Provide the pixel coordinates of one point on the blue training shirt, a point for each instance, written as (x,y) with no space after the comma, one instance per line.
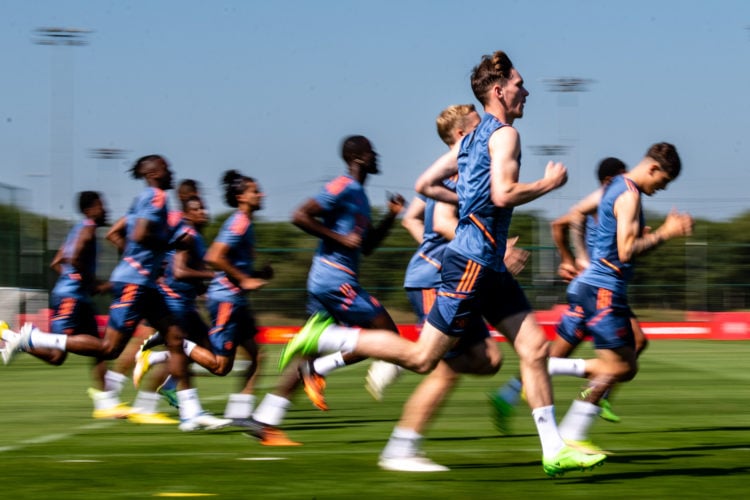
(482,227)
(346,209)
(141,264)
(71,282)
(238,234)
(425,265)
(606,269)
(169,284)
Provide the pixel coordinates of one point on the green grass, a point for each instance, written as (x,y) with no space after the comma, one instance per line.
(685,433)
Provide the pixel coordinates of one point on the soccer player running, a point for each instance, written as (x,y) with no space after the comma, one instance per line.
(340,216)
(477,353)
(598,297)
(422,276)
(135,294)
(475,282)
(145,336)
(73,311)
(232,256)
(181,284)
(580,223)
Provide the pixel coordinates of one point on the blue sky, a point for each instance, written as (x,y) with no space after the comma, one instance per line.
(271,88)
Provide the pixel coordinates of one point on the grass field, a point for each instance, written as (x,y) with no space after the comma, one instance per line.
(685,433)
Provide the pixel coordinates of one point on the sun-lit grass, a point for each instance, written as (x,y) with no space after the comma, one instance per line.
(685,433)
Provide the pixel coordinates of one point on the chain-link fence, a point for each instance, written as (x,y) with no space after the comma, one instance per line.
(689,274)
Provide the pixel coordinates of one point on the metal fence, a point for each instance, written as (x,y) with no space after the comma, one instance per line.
(686,275)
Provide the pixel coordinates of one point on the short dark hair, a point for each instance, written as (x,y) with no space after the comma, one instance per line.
(665,154)
(86,200)
(610,167)
(353,146)
(188,186)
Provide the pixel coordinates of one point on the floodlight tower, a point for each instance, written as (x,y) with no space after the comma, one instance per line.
(61,172)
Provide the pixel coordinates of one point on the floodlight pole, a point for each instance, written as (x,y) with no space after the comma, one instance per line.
(105,155)
(60,199)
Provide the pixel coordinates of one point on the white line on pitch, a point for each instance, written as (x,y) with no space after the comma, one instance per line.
(50,438)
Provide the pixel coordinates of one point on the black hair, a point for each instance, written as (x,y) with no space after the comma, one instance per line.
(353,147)
(188,185)
(86,199)
(138,169)
(610,167)
(234,184)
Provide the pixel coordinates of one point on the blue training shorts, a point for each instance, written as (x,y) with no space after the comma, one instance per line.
(422,301)
(232,324)
(603,314)
(470,292)
(348,303)
(72,316)
(133,303)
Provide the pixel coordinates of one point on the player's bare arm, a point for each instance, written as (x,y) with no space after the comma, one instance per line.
(375,235)
(216,257)
(413,220)
(306,217)
(506,191)
(116,234)
(445,220)
(569,233)
(430,183)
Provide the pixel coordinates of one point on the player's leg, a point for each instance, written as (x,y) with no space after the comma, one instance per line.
(240,405)
(615,360)
(381,374)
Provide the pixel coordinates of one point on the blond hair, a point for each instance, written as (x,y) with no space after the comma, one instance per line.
(452,118)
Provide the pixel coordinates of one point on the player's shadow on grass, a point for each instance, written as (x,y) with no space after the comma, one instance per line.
(618,477)
(735,428)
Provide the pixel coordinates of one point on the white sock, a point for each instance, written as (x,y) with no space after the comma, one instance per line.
(154,358)
(239,406)
(114,381)
(104,400)
(402,443)
(190,405)
(325,365)
(577,422)
(338,338)
(271,410)
(188,346)
(546,427)
(566,366)
(511,391)
(146,402)
(47,340)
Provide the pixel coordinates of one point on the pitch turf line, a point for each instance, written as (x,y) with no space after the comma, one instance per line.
(51,438)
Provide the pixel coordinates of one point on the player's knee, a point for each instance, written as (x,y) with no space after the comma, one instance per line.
(533,353)
(423,363)
(640,345)
(221,368)
(627,375)
(626,372)
(490,365)
(57,359)
(109,351)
